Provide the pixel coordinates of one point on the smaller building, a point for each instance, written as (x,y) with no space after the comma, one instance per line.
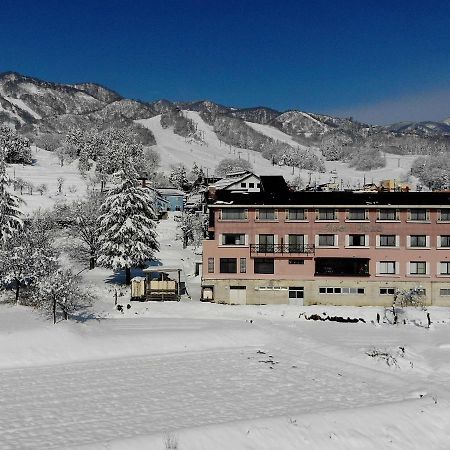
(174,197)
(243,181)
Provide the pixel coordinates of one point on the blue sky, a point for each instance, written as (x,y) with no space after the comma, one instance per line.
(379,61)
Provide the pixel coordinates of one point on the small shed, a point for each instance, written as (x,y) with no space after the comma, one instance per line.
(160,284)
(174,197)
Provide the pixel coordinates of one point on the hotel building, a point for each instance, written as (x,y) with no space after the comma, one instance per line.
(342,248)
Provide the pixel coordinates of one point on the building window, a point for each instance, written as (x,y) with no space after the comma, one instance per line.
(243,265)
(445,241)
(234,214)
(388,214)
(251,185)
(210,265)
(296,214)
(228,265)
(264,265)
(266,214)
(418,215)
(326,240)
(418,268)
(357,240)
(386,268)
(243,185)
(444,215)
(341,290)
(296,261)
(357,214)
(296,243)
(444,292)
(388,240)
(266,243)
(296,292)
(387,291)
(444,268)
(233,239)
(418,241)
(326,214)
(358,267)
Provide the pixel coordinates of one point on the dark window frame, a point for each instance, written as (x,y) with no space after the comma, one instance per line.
(228,265)
(264,266)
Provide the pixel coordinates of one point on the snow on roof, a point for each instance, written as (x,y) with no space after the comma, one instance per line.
(162,269)
(169,191)
(228,181)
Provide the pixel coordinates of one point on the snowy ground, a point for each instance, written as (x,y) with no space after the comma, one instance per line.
(46,169)
(219,376)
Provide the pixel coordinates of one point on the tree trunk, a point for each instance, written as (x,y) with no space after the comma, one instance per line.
(17,291)
(54,309)
(127,275)
(92,262)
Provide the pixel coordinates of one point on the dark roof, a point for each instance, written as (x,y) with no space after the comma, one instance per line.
(333,198)
(271,184)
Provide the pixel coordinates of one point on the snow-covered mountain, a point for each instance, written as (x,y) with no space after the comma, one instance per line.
(204,131)
(422,128)
(35,107)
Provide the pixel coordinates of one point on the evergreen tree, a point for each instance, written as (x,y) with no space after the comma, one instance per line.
(127,228)
(16,148)
(10,220)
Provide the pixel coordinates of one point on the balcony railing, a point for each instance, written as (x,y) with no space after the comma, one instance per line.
(282,248)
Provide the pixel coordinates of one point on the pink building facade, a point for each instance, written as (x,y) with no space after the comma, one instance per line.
(341,248)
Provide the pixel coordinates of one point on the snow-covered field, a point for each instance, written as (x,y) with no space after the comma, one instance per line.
(209,376)
(46,169)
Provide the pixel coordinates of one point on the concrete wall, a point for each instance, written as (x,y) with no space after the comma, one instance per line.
(371,297)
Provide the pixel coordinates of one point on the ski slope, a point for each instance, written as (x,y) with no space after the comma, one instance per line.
(175,150)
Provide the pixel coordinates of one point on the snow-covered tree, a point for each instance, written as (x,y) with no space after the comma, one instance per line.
(229,165)
(28,257)
(178,177)
(192,227)
(127,228)
(61,292)
(10,220)
(42,188)
(15,148)
(150,163)
(82,216)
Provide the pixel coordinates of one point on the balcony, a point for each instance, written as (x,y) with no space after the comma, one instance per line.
(290,250)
